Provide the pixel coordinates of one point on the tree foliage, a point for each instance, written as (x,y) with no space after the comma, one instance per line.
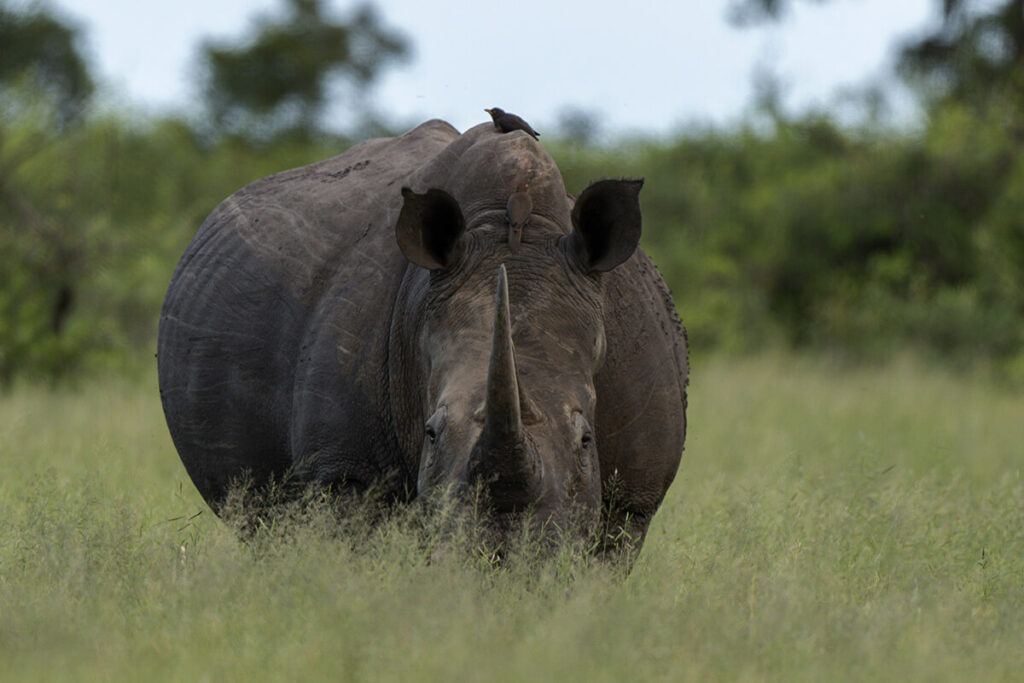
(44,82)
(975,53)
(92,221)
(815,236)
(279,80)
(975,56)
(753,12)
(791,230)
(40,51)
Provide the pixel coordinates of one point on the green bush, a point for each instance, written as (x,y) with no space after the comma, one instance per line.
(857,240)
(92,221)
(801,233)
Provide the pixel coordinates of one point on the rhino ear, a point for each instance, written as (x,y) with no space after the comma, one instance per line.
(606,223)
(430,228)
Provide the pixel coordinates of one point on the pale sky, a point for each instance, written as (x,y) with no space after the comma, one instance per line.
(638,66)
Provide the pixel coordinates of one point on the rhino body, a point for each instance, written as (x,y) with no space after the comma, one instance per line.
(365,320)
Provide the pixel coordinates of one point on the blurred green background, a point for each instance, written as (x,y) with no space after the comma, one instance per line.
(783,230)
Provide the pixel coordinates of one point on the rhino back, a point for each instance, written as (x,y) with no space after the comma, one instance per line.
(273,331)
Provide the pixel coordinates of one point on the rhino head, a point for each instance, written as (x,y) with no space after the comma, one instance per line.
(510,338)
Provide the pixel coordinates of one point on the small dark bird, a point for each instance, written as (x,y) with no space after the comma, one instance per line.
(506,123)
(517,215)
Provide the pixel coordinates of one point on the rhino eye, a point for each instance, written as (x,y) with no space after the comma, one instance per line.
(435,424)
(586,440)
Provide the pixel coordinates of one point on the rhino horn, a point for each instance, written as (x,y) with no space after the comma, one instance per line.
(503,457)
(502,416)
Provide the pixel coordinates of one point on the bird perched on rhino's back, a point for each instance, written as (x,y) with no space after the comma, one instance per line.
(506,122)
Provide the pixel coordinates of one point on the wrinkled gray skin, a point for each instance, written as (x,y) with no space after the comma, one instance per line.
(364,320)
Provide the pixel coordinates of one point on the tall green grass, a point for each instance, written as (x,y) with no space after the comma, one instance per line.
(827,523)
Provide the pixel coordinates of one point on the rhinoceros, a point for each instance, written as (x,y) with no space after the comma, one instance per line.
(368,320)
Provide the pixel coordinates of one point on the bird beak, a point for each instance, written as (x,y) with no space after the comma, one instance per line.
(487,110)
